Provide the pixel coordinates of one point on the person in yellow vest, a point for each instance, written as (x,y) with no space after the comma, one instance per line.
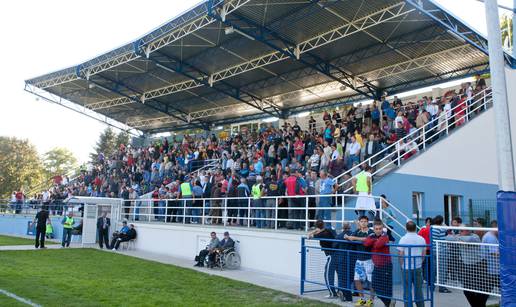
(363,185)
(257,191)
(185,192)
(49,231)
(68,223)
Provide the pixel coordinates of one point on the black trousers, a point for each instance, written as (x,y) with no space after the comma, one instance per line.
(382,283)
(119,240)
(40,236)
(104,237)
(202,255)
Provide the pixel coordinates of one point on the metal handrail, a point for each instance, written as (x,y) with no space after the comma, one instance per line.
(416,133)
(140,206)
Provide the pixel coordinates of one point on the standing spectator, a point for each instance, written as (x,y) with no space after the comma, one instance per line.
(363,265)
(325,236)
(311,124)
(471,268)
(185,192)
(388,216)
(294,187)
(411,260)
(103,224)
(345,263)
(354,152)
(425,233)
(67,223)
(491,254)
(327,187)
(243,194)
(362,183)
(41,220)
(440,234)
(382,272)
(20,197)
(257,191)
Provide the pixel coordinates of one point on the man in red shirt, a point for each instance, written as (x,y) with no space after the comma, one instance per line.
(294,186)
(382,273)
(425,233)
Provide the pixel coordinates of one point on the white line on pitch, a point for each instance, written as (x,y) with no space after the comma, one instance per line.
(18,298)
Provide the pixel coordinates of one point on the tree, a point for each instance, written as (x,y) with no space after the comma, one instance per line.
(20,166)
(122,138)
(59,161)
(105,145)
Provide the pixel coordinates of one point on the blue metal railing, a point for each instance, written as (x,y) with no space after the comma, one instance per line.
(398,277)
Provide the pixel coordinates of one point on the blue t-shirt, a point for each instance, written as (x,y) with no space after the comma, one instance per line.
(258,167)
(327,133)
(327,186)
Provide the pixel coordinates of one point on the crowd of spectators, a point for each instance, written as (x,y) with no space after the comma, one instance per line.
(281,161)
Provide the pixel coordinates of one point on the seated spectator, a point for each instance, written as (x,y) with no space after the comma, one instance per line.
(210,249)
(118,234)
(130,235)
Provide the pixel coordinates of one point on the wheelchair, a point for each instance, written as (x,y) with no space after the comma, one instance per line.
(226,259)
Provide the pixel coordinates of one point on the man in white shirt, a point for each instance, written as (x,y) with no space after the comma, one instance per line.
(411,261)
(354,152)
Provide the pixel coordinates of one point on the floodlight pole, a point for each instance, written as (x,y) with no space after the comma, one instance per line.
(499,92)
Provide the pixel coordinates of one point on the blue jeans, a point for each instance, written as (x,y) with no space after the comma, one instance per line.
(413,279)
(324,211)
(352,159)
(284,163)
(67,237)
(259,213)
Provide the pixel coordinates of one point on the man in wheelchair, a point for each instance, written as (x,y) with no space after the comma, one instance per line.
(208,251)
(225,248)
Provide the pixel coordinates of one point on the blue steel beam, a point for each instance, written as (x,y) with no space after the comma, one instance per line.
(184,69)
(400,88)
(265,36)
(414,37)
(151,103)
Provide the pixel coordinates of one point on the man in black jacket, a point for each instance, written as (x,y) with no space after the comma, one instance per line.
(326,238)
(103,224)
(130,235)
(345,263)
(41,226)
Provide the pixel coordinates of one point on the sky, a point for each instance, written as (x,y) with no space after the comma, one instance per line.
(39,37)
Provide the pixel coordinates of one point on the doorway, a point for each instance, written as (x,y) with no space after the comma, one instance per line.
(452,207)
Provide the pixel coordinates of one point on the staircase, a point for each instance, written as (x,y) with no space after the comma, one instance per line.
(394,156)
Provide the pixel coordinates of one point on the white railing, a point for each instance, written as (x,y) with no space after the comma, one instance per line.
(394,154)
(208,165)
(269,212)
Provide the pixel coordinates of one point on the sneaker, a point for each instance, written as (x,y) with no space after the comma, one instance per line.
(369,303)
(331,296)
(360,302)
(444,290)
(114,249)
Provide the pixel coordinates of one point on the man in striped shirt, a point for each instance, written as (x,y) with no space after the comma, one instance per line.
(438,234)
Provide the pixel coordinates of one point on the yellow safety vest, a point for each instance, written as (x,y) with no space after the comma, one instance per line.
(362,182)
(256,192)
(68,222)
(186,190)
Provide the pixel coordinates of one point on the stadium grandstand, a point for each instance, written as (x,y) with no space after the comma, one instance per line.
(294,125)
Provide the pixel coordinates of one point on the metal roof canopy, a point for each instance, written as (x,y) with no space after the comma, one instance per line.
(226,61)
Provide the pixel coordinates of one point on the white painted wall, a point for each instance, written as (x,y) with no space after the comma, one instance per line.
(275,253)
(468,154)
